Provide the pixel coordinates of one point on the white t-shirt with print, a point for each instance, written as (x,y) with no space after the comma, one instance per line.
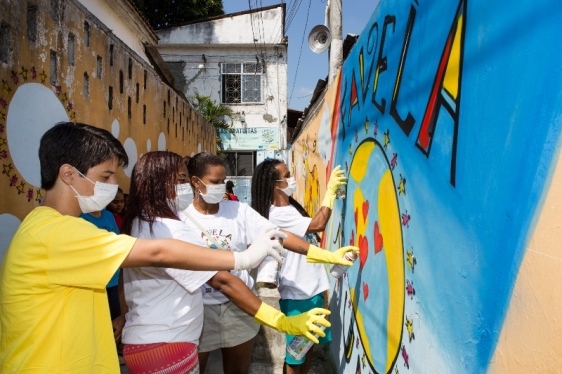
(165,305)
(298,279)
(235,227)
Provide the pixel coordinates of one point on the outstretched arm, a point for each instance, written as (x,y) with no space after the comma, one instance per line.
(320,220)
(178,254)
(315,254)
(236,290)
(241,296)
(337,179)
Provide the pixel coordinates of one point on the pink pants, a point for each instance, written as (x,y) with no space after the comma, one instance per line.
(163,358)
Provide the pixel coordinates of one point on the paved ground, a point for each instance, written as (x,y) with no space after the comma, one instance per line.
(320,365)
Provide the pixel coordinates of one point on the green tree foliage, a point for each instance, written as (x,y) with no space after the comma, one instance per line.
(166,13)
(216,114)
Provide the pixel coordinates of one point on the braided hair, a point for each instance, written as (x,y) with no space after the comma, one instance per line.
(263,185)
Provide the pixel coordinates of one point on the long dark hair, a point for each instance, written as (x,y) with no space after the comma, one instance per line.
(263,185)
(152,182)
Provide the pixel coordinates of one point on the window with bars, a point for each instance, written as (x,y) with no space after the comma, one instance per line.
(241,83)
(239,164)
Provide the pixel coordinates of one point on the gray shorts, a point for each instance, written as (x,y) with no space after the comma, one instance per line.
(225,326)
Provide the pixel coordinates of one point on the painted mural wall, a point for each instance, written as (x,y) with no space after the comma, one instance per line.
(60,63)
(446,117)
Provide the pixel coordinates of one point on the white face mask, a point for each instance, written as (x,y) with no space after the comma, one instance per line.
(291,186)
(104,193)
(184,196)
(215,193)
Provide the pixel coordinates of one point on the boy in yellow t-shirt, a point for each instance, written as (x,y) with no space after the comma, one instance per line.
(54,316)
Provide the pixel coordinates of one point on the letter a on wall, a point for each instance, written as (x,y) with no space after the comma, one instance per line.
(445,93)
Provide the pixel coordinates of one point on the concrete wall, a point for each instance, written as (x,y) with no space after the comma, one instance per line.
(229,39)
(34,96)
(267,26)
(450,139)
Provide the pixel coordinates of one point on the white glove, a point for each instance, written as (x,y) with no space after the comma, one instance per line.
(265,244)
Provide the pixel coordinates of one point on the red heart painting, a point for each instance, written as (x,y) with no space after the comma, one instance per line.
(365,210)
(378,238)
(365,291)
(363,250)
(352,240)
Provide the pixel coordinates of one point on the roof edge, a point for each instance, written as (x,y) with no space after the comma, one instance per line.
(280,5)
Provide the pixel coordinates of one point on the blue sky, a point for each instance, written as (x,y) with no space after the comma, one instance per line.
(312,66)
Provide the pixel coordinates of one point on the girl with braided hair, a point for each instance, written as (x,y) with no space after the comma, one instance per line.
(166,312)
(302,285)
(233,225)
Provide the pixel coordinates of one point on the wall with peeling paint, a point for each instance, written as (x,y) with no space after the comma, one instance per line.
(451,143)
(62,63)
(196,51)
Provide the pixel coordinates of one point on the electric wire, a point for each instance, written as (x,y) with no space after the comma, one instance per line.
(292,14)
(300,53)
(252,24)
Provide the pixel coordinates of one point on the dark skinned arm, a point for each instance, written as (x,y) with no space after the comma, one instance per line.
(236,291)
(241,296)
(320,220)
(316,254)
(295,244)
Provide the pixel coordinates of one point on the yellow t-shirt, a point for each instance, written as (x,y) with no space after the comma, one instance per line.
(54,313)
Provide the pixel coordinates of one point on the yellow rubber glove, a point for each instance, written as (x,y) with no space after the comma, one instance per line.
(302,324)
(337,179)
(321,256)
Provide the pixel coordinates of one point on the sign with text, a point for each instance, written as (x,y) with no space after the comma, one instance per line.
(251,138)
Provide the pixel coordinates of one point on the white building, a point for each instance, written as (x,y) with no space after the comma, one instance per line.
(125,21)
(238,59)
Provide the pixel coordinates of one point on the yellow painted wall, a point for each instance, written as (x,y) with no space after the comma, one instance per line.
(309,164)
(167,115)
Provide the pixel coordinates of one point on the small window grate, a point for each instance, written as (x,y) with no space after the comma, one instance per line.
(86,85)
(86,34)
(71,49)
(32,22)
(99,67)
(54,68)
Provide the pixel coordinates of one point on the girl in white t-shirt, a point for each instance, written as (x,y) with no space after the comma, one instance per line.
(302,285)
(233,226)
(165,315)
